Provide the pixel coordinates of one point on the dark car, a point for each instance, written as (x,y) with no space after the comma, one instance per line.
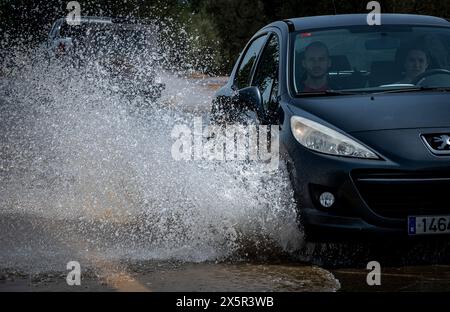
(364,119)
(125,49)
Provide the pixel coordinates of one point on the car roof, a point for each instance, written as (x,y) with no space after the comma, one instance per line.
(108,20)
(88,19)
(341,20)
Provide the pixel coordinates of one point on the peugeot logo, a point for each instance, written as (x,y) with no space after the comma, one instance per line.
(443,140)
(438,143)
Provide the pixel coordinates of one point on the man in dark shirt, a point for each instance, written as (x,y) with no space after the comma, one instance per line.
(317,63)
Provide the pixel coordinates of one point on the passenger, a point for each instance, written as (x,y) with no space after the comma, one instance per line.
(317,63)
(416,63)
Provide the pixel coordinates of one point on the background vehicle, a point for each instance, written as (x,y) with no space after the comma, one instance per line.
(367,154)
(126,51)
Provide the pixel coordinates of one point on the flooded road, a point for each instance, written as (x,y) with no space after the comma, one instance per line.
(85,178)
(184,277)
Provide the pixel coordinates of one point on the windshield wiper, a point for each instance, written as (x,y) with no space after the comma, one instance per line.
(326,93)
(415,89)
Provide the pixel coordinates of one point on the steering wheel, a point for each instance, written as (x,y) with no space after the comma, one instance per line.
(429,73)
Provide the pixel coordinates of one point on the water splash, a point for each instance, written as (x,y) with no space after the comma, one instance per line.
(96,167)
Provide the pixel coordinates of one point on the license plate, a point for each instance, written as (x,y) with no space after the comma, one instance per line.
(423,225)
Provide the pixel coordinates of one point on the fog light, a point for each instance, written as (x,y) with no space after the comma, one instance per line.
(326,199)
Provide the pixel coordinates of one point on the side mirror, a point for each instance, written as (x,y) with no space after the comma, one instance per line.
(251,99)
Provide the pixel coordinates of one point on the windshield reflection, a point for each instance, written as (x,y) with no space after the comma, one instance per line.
(361,60)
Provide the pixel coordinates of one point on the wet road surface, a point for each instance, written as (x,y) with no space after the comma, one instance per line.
(117,254)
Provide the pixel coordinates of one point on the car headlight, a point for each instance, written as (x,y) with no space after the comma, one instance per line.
(320,138)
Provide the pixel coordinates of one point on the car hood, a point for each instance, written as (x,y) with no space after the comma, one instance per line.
(356,113)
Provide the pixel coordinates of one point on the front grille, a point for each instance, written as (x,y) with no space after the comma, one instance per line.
(438,143)
(398,195)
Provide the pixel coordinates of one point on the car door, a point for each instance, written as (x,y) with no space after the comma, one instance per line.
(226,107)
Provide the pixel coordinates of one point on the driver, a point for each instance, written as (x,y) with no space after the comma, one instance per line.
(416,63)
(317,63)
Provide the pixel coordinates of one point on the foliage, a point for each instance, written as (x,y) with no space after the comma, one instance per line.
(204,35)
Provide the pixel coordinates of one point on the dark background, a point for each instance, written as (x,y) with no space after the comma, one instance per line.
(218,29)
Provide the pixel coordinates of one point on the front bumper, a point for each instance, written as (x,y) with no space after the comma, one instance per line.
(325,225)
(372,197)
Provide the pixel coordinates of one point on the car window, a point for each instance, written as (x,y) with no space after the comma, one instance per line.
(367,59)
(242,78)
(266,74)
(116,42)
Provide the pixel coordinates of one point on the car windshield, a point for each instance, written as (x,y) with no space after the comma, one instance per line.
(370,59)
(128,40)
